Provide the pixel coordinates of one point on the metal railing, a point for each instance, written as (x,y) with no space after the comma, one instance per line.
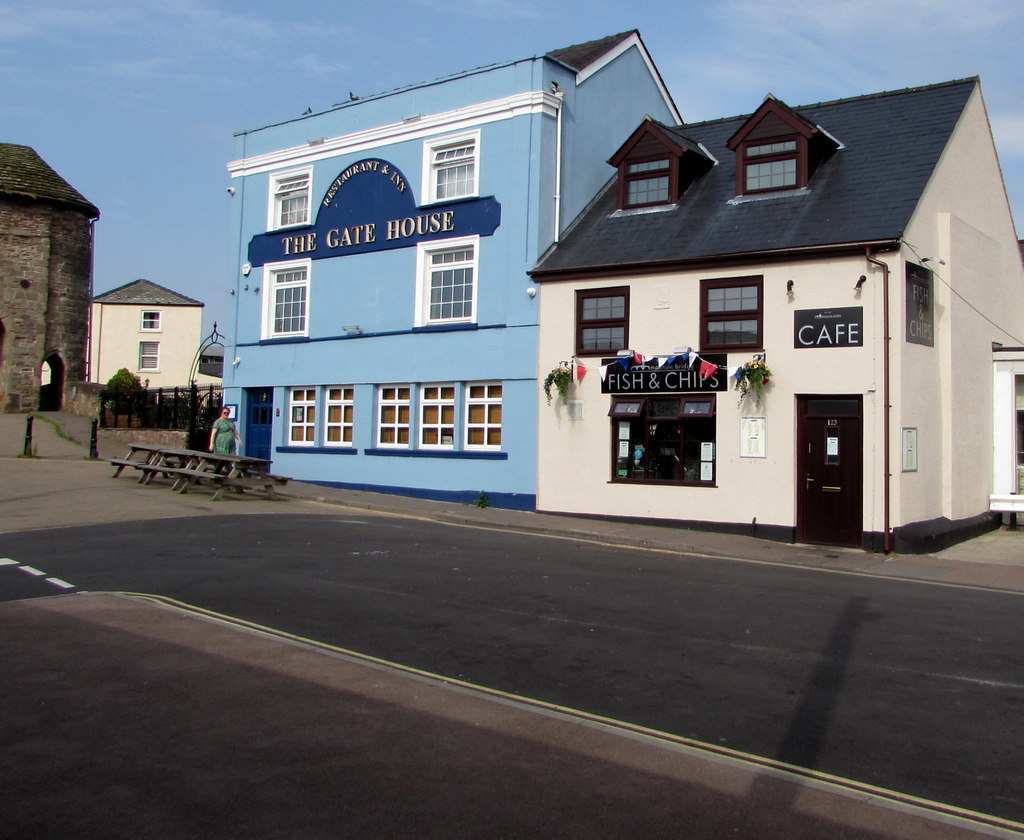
(189,408)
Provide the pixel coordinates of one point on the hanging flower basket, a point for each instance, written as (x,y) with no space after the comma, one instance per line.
(561,378)
(751,379)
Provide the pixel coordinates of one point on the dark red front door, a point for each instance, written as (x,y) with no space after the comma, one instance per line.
(830,505)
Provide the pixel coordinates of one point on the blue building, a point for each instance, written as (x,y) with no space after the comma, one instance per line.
(385,326)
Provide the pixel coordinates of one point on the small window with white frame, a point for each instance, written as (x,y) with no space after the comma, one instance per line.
(302,417)
(437,416)
(394,404)
(483,415)
(149,355)
(289,199)
(151,321)
(450,167)
(339,409)
(447,282)
(286,300)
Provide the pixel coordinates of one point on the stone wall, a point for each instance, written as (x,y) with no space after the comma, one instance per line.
(45,287)
(159,437)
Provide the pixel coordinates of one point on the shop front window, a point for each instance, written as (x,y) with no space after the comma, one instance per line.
(664,439)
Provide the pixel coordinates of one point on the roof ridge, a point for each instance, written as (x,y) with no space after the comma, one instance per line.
(24,174)
(144,283)
(843,101)
(584,49)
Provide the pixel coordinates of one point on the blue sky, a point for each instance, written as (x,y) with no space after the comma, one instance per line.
(135,102)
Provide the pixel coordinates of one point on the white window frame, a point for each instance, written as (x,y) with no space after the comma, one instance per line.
(431,166)
(271,284)
(149,350)
(278,182)
(433,399)
(339,415)
(302,415)
(425,253)
(159,320)
(390,397)
(488,402)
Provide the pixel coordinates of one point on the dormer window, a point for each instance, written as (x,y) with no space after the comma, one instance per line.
(656,165)
(770,166)
(647,183)
(777,149)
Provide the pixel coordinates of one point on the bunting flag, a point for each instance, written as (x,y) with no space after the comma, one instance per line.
(687,359)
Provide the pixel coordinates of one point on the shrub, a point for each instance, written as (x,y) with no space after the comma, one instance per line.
(123,380)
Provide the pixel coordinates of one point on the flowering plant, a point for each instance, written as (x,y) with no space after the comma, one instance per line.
(751,379)
(560,377)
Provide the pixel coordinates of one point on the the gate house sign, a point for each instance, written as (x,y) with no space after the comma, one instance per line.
(675,379)
(370,207)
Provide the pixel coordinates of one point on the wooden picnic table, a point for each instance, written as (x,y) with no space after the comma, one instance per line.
(188,467)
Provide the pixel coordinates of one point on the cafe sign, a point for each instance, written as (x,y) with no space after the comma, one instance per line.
(370,207)
(839,327)
(677,378)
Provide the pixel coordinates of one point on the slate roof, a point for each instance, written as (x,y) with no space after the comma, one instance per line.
(864,193)
(146,293)
(579,56)
(25,175)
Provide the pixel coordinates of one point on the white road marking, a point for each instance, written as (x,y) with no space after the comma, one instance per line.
(7,561)
(63,584)
(31,570)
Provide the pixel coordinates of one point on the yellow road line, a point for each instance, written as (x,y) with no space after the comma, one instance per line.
(678,552)
(749,759)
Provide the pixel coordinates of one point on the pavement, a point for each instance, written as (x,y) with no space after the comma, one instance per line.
(131,716)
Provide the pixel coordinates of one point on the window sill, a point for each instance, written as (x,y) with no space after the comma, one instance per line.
(445,327)
(318,450)
(284,339)
(781,192)
(644,210)
(663,482)
(451,454)
(732,348)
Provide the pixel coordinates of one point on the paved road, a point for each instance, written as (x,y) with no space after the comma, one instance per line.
(127,717)
(903,685)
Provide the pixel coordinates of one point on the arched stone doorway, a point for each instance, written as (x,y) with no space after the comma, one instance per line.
(51,389)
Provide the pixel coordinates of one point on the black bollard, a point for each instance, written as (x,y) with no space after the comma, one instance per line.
(94,439)
(28,437)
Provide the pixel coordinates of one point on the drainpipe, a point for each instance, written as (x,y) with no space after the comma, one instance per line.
(560,96)
(887,408)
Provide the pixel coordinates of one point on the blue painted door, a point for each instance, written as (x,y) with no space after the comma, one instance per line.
(259,425)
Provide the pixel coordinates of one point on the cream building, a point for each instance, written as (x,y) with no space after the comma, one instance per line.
(150,330)
(864,252)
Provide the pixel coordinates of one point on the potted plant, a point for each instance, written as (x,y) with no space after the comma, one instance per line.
(751,379)
(560,378)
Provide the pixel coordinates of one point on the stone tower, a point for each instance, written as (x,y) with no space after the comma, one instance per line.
(46,240)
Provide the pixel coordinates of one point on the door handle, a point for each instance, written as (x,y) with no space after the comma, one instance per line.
(825,489)
(808,482)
